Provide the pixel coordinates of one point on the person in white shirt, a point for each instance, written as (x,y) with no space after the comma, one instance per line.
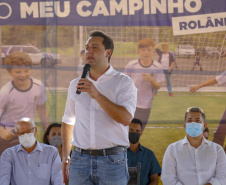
(147,75)
(219,135)
(194,160)
(96,121)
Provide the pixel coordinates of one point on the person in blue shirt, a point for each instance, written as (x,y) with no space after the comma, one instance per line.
(150,168)
(30,162)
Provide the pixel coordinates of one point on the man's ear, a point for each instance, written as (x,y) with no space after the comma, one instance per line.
(204,126)
(185,125)
(108,53)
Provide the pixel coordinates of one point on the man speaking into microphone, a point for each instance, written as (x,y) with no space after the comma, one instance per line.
(96,121)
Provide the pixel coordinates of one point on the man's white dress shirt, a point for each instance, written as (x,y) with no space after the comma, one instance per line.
(93,127)
(186,165)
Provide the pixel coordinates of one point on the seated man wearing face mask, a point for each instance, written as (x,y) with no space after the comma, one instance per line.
(150,168)
(194,160)
(30,162)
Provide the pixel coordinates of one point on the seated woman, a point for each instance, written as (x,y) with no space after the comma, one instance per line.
(52,136)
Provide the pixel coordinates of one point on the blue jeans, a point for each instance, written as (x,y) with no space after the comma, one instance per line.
(98,170)
(168,81)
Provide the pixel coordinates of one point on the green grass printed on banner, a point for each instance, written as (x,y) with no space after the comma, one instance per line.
(167,117)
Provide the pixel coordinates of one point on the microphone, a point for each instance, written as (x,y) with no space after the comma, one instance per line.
(86,70)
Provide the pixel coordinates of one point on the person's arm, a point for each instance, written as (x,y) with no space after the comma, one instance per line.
(41,110)
(117,112)
(68,121)
(171,66)
(128,69)
(158,45)
(200,54)
(41,106)
(169,165)
(5,168)
(171,62)
(154,179)
(7,134)
(212,81)
(220,173)
(156,85)
(66,135)
(56,170)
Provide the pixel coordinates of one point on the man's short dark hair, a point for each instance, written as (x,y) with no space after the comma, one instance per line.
(108,42)
(137,121)
(206,130)
(195,109)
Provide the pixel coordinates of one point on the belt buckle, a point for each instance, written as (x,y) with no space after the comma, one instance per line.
(95,153)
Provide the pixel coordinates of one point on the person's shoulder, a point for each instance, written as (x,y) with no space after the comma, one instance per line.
(37,82)
(74,82)
(157,64)
(157,49)
(133,63)
(6,88)
(147,150)
(123,77)
(148,154)
(11,150)
(171,54)
(48,147)
(214,145)
(176,144)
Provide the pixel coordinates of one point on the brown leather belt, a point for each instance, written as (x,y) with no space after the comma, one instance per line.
(102,152)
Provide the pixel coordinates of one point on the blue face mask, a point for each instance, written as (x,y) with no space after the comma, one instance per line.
(194,129)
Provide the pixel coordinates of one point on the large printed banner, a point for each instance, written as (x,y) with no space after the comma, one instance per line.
(118,13)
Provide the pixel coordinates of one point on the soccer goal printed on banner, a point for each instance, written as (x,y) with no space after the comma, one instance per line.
(212,46)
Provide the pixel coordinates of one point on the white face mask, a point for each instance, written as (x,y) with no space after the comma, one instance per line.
(27,140)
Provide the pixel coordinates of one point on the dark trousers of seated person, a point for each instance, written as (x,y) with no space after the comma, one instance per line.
(219,135)
(4,144)
(98,170)
(143,115)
